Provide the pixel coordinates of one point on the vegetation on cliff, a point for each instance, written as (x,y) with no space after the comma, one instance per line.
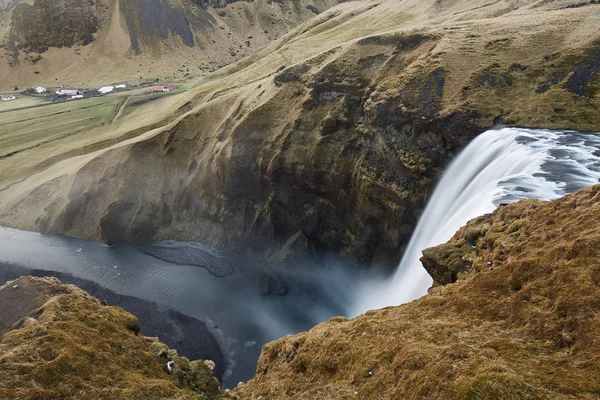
(520,321)
(58,342)
(328,140)
(50,23)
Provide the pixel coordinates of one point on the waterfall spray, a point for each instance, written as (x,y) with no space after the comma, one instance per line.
(499,166)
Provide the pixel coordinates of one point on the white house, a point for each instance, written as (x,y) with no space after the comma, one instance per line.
(40,89)
(7,97)
(106,89)
(67,92)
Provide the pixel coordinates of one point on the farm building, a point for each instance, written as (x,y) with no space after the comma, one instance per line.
(7,97)
(164,88)
(68,92)
(40,89)
(106,89)
(121,86)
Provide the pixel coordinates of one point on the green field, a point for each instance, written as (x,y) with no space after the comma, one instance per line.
(37,133)
(30,127)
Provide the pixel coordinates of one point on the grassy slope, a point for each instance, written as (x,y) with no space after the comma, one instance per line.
(521,324)
(65,344)
(220,36)
(359,108)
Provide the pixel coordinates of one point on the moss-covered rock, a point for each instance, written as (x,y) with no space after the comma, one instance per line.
(52,23)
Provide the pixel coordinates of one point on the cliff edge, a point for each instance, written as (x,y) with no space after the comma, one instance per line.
(58,342)
(515,315)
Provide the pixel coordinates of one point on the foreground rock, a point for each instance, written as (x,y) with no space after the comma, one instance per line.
(520,321)
(58,342)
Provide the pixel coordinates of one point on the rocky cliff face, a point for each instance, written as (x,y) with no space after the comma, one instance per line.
(520,320)
(44,24)
(58,342)
(328,140)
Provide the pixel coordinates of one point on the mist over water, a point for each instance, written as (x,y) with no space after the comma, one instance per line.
(221,292)
(499,166)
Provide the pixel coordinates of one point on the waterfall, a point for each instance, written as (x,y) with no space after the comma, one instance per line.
(499,166)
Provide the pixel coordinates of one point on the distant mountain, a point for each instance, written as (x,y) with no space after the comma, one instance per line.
(84,41)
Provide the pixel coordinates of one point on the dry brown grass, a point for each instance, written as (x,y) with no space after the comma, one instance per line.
(524,327)
(70,346)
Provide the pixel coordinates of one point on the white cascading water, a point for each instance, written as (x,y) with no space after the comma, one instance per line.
(499,166)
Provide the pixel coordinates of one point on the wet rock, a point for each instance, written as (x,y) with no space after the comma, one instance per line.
(270,286)
(189,254)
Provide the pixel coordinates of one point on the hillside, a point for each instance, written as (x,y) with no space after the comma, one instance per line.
(520,322)
(329,139)
(58,342)
(82,42)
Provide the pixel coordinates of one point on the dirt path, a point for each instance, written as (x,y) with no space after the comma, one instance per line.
(120,110)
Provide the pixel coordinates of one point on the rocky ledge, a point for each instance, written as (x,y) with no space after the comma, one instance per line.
(58,342)
(515,314)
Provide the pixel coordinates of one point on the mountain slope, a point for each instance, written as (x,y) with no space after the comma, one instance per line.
(54,42)
(327,140)
(521,322)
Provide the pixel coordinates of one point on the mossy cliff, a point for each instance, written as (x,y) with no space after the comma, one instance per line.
(58,342)
(327,141)
(520,321)
(51,23)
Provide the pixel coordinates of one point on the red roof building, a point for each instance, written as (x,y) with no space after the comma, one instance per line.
(164,88)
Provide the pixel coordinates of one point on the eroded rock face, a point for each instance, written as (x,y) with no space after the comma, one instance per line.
(59,342)
(340,146)
(521,321)
(325,158)
(52,23)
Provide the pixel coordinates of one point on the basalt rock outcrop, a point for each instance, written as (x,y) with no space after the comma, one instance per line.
(520,321)
(327,141)
(58,342)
